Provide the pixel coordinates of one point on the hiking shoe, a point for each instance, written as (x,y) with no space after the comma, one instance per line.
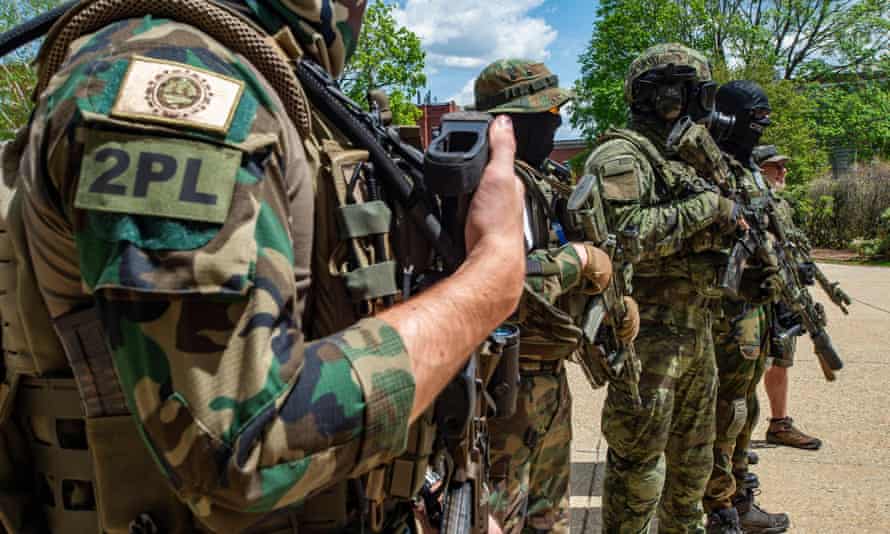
(753,459)
(724,521)
(783,432)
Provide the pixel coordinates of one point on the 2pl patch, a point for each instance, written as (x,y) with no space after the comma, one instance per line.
(172,178)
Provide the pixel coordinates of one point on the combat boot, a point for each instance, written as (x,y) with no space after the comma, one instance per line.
(725,521)
(752,518)
(783,432)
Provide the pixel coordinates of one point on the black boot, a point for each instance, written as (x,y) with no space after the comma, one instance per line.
(754,519)
(725,521)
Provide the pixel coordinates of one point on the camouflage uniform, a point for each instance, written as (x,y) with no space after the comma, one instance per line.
(164,184)
(530,451)
(660,454)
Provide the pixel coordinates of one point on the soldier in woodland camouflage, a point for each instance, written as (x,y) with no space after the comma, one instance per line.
(660,454)
(166,190)
(530,451)
(742,341)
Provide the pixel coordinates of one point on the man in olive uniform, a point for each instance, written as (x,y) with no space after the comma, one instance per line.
(741,339)
(660,452)
(530,451)
(166,211)
(782,430)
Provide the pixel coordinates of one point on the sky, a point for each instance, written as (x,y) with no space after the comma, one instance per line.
(461,37)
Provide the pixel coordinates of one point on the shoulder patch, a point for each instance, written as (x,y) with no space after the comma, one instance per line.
(171,178)
(174,93)
(620,179)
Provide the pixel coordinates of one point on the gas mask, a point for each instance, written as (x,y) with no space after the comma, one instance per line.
(673,91)
(748,105)
(534,135)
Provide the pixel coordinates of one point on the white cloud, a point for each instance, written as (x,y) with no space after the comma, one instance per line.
(466,95)
(470,34)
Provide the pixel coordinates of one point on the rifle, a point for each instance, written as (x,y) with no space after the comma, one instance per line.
(837,295)
(761,215)
(765,240)
(605,312)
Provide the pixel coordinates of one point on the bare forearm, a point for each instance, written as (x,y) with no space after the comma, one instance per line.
(441,327)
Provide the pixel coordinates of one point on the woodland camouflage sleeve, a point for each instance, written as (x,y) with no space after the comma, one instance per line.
(194,238)
(552,273)
(628,186)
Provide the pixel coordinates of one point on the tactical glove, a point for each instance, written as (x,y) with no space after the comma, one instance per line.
(598,269)
(760,286)
(630,325)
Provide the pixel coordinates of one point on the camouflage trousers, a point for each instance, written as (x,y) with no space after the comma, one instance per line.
(661,453)
(530,457)
(741,345)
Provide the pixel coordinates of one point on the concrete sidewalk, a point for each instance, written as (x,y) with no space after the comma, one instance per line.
(842,488)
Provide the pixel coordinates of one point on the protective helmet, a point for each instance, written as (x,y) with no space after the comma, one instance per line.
(662,56)
(327,29)
(518,86)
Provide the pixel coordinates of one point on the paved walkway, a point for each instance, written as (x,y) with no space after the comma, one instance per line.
(842,488)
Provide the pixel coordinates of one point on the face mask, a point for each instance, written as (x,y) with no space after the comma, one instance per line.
(534,135)
(748,104)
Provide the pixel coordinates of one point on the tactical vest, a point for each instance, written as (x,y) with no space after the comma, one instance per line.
(678,287)
(549,332)
(94,474)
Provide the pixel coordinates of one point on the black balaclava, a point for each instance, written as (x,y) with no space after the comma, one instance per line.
(739,98)
(535,133)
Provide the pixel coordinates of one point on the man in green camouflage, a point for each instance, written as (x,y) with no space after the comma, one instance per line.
(530,451)
(741,339)
(660,452)
(782,430)
(166,204)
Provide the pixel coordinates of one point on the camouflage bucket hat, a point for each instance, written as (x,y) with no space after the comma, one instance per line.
(328,29)
(519,86)
(662,55)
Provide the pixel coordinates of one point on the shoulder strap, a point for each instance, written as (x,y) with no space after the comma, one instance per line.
(224,25)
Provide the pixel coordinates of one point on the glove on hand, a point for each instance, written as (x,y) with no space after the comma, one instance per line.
(630,325)
(598,269)
(760,286)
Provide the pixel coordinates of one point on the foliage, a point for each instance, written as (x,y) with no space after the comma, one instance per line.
(388,57)
(17,78)
(790,47)
(853,210)
(793,130)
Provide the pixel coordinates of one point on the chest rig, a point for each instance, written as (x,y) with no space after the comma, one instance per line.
(686,280)
(44,410)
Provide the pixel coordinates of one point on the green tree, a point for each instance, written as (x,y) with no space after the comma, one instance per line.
(17,78)
(388,57)
(785,45)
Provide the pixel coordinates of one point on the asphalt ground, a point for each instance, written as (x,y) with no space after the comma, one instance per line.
(842,488)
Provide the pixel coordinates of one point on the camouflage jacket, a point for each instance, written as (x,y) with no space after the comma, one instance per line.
(554,291)
(655,198)
(165,185)
(785,214)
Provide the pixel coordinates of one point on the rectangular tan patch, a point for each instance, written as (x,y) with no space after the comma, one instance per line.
(175,93)
(620,181)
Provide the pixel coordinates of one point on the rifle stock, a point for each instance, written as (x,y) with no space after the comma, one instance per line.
(605,312)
